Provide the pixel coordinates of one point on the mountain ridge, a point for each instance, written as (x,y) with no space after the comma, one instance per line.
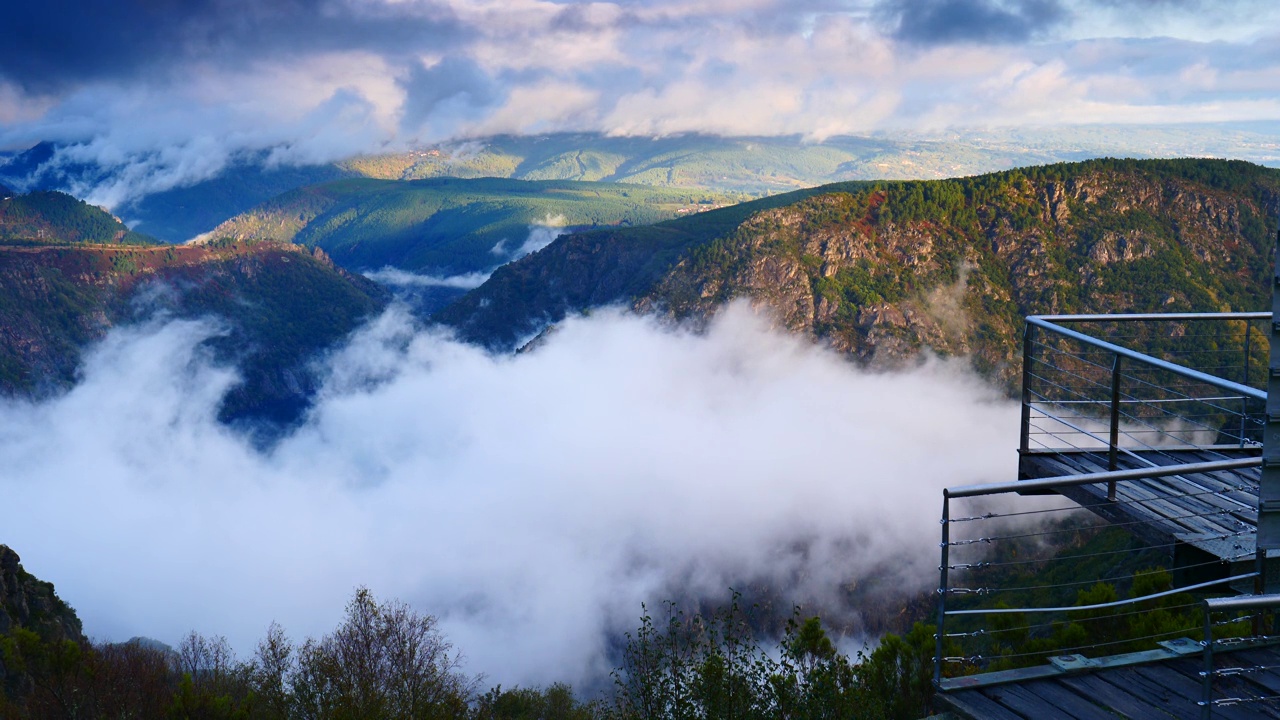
(750,165)
(882,271)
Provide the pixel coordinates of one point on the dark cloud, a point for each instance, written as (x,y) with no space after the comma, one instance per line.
(931,22)
(49,46)
(454,89)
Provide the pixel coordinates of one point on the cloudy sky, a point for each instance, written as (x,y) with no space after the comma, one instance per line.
(321,79)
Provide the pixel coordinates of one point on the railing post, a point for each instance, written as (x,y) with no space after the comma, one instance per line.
(942,588)
(1244,401)
(1113,450)
(1206,687)
(1028,347)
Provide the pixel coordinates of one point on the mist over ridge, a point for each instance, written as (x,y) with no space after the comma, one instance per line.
(531,501)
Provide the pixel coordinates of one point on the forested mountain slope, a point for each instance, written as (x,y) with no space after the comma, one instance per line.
(884,270)
(44,215)
(448,225)
(283,303)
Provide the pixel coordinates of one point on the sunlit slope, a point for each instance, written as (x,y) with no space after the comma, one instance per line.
(449,225)
(754,165)
(885,270)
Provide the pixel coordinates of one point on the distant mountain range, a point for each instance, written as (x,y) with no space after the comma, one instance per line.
(753,166)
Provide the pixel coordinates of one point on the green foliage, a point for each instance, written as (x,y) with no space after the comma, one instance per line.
(556,702)
(713,667)
(55,217)
(384,661)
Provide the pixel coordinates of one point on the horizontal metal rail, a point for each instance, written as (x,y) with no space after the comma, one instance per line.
(1091,478)
(1099,606)
(1148,317)
(1227,604)
(1234,387)
(1241,602)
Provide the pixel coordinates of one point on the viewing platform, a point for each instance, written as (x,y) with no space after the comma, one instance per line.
(1121,574)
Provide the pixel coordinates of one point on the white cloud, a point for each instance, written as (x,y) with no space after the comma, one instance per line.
(764,68)
(531,501)
(395,276)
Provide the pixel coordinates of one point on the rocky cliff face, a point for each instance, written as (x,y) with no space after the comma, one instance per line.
(884,272)
(27,602)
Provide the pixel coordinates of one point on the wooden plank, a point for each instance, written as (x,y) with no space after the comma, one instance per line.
(1149,532)
(1151,527)
(973,704)
(1197,493)
(1168,509)
(1267,680)
(1224,687)
(1154,694)
(1023,702)
(1198,484)
(1063,699)
(1188,689)
(1118,699)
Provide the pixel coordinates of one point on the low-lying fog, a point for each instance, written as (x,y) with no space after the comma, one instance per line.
(532,502)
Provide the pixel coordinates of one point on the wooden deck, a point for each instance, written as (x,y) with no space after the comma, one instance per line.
(1141,691)
(1215,513)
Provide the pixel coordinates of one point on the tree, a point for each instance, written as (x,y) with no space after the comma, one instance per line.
(271,672)
(384,661)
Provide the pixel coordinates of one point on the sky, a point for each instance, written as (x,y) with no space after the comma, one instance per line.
(191,85)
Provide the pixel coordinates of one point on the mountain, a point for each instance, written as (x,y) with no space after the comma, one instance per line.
(175,214)
(153,195)
(449,226)
(27,602)
(884,270)
(31,613)
(282,303)
(767,165)
(44,214)
(181,213)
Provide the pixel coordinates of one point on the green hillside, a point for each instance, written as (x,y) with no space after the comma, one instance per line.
(54,216)
(447,225)
(883,270)
(753,165)
(181,213)
(767,165)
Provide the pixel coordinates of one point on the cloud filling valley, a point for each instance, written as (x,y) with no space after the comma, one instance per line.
(532,502)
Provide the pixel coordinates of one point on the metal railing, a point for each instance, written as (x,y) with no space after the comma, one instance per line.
(999,621)
(1191,387)
(1259,620)
(1021,584)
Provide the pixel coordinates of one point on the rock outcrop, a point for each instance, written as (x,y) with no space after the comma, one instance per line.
(886,271)
(30,603)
